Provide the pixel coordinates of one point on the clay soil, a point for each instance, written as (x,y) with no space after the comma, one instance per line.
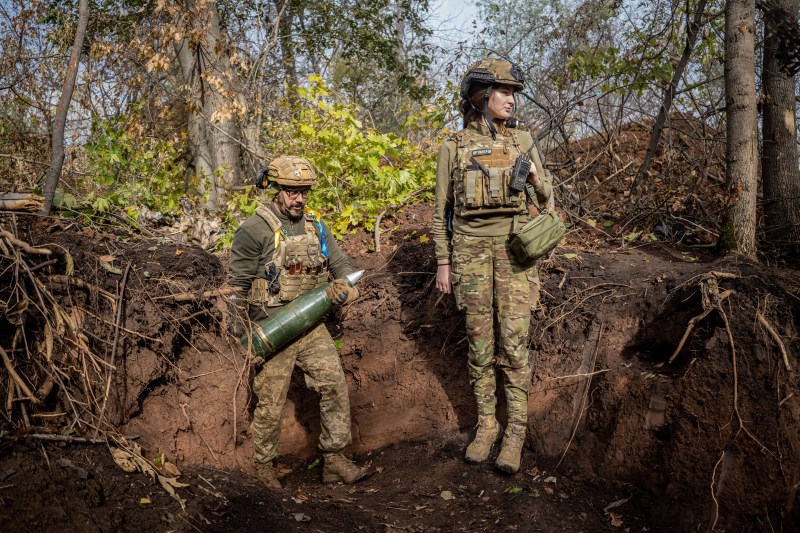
(620,439)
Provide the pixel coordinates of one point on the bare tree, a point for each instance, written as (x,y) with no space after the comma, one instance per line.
(692,29)
(739,230)
(59,124)
(779,169)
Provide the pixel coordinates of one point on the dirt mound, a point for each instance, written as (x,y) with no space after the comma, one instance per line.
(711,433)
(681,198)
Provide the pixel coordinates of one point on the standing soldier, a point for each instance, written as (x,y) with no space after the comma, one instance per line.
(278,254)
(475,213)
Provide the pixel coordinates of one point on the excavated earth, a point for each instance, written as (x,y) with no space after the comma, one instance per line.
(627,433)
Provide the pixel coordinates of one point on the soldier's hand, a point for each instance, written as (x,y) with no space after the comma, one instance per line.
(254,360)
(340,292)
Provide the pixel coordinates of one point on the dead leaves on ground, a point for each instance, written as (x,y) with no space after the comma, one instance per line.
(130,459)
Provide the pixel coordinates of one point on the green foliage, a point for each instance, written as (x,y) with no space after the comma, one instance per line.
(129,168)
(362,172)
(240,204)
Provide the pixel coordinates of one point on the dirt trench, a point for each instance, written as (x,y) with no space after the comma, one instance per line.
(709,439)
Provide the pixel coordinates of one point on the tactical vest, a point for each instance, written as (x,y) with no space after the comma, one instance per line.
(483,173)
(299,263)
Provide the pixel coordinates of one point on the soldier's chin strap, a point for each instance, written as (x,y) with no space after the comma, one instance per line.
(489,122)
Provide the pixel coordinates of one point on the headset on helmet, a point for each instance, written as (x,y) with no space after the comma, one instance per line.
(287,171)
(491,72)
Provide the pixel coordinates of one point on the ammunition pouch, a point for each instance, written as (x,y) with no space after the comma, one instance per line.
(259,291)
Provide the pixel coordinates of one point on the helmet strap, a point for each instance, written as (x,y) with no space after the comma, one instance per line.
(489,122)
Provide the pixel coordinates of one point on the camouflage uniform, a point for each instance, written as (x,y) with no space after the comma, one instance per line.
(315,353)
(486,279)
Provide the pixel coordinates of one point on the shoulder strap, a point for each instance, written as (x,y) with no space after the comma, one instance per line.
(315,218)
(275,225)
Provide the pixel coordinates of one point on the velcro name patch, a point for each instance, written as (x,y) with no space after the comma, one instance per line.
(482,151)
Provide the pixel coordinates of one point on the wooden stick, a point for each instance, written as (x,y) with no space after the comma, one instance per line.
(77,282)
(776,338)
(581,375)
(10,395)
(17,379)
(49,262)
(63,438)
(24,245)
(117,325)
(188,296)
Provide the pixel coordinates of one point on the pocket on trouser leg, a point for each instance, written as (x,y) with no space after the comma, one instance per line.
(535,287)
(455,282)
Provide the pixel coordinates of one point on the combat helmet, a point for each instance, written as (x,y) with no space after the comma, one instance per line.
(287,171)
(492,71)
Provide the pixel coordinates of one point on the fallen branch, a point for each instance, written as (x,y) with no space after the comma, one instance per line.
(582,375)
(579,399)
(77,282)
(188,296)
(117,325)
(64,438)
(24,246)
(12,201)
(17,379)
(776,338)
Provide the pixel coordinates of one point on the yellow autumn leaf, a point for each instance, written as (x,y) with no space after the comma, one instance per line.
(144,501)
(423,238)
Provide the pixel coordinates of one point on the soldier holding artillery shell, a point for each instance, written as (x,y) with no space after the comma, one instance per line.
(282,253)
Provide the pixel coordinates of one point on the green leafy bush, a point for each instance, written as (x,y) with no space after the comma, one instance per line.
(362,172)
(129,168)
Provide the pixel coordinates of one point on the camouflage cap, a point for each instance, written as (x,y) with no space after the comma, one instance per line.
(288,171)
(492,72)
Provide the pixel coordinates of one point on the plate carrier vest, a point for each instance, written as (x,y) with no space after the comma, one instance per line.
(483,173)
(300,262)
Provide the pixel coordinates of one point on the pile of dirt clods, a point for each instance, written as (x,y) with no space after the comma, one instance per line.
(670,379)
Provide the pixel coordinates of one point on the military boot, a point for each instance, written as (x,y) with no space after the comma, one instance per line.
(266,472)
(485,436)
(511,451)
(337,467)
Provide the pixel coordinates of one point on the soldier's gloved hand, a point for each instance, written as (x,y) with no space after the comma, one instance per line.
(340,292)
(254,360)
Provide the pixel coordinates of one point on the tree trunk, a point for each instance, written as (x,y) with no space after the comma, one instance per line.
(780,175)
(60,121)
(285,11)
(216,105)
(739,229)
(693,28)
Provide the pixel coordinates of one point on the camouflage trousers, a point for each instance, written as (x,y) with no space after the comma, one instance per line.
(316,355)
(487,281)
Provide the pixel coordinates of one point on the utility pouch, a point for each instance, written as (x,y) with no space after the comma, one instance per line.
(537,237)
(259,292)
